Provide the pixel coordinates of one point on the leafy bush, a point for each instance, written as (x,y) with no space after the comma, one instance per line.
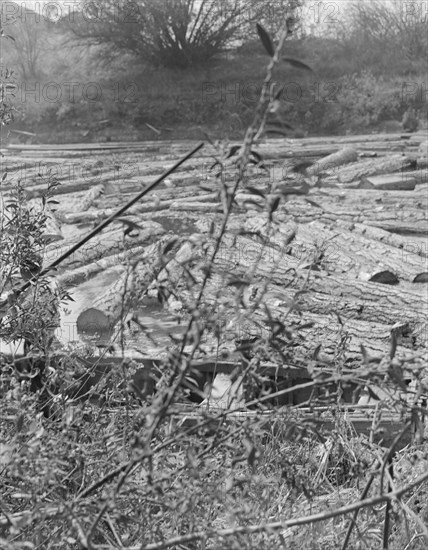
(173,33)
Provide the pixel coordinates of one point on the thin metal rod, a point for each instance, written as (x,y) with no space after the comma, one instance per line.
(111,218)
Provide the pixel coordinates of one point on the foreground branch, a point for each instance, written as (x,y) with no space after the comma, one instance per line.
(285,524)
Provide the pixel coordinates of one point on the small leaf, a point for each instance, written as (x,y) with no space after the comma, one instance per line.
(130,225)
(251,452)
(364,354)
(257,156)
(313,203)
(4,176)
(297,64)
(255,191)
(393,345)
(19,423)
(233,150)
(372,394)
(275,204)
(163,295)
(207,137)
(253,203)
(316,352)
(307,325)
(278,94)
(266,40)
(396,375)
(169,246)
(238,282)
(290,238)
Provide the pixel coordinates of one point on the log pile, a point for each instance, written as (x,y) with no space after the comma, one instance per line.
(348,255)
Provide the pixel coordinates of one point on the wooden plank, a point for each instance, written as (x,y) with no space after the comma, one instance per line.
(381,428)
(388,182)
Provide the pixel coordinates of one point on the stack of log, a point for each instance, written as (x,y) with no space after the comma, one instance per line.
(349,252)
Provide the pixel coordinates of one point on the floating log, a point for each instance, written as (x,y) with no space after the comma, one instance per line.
(306,332)
(196,206)
(178,193)
(328,329)
(377,200)
(336,250)
(286,149)
(87,217)
(408,245)
(359,213)
(395,213)
(355,253)
(173,271)
(331,162)
(246,257)
(100,146)
(403,219)
(82,204)
(66,186)
(420,175)
(309,330)
(371,167)
(324,292)
(86,272)
(104,313)
(379,305)
(106,243)
(146,207)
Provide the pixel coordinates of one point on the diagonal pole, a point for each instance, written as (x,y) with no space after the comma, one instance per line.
(106,222)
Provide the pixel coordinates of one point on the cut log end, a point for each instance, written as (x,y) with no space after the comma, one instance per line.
(93,322)
(421,278)
(385,277)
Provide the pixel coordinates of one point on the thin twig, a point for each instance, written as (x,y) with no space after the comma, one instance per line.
(277,525)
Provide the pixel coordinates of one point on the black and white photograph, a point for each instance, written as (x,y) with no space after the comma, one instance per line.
(213,274)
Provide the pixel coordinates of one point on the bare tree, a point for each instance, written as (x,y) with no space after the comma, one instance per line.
(177,33)
(29,33)
(387,29)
